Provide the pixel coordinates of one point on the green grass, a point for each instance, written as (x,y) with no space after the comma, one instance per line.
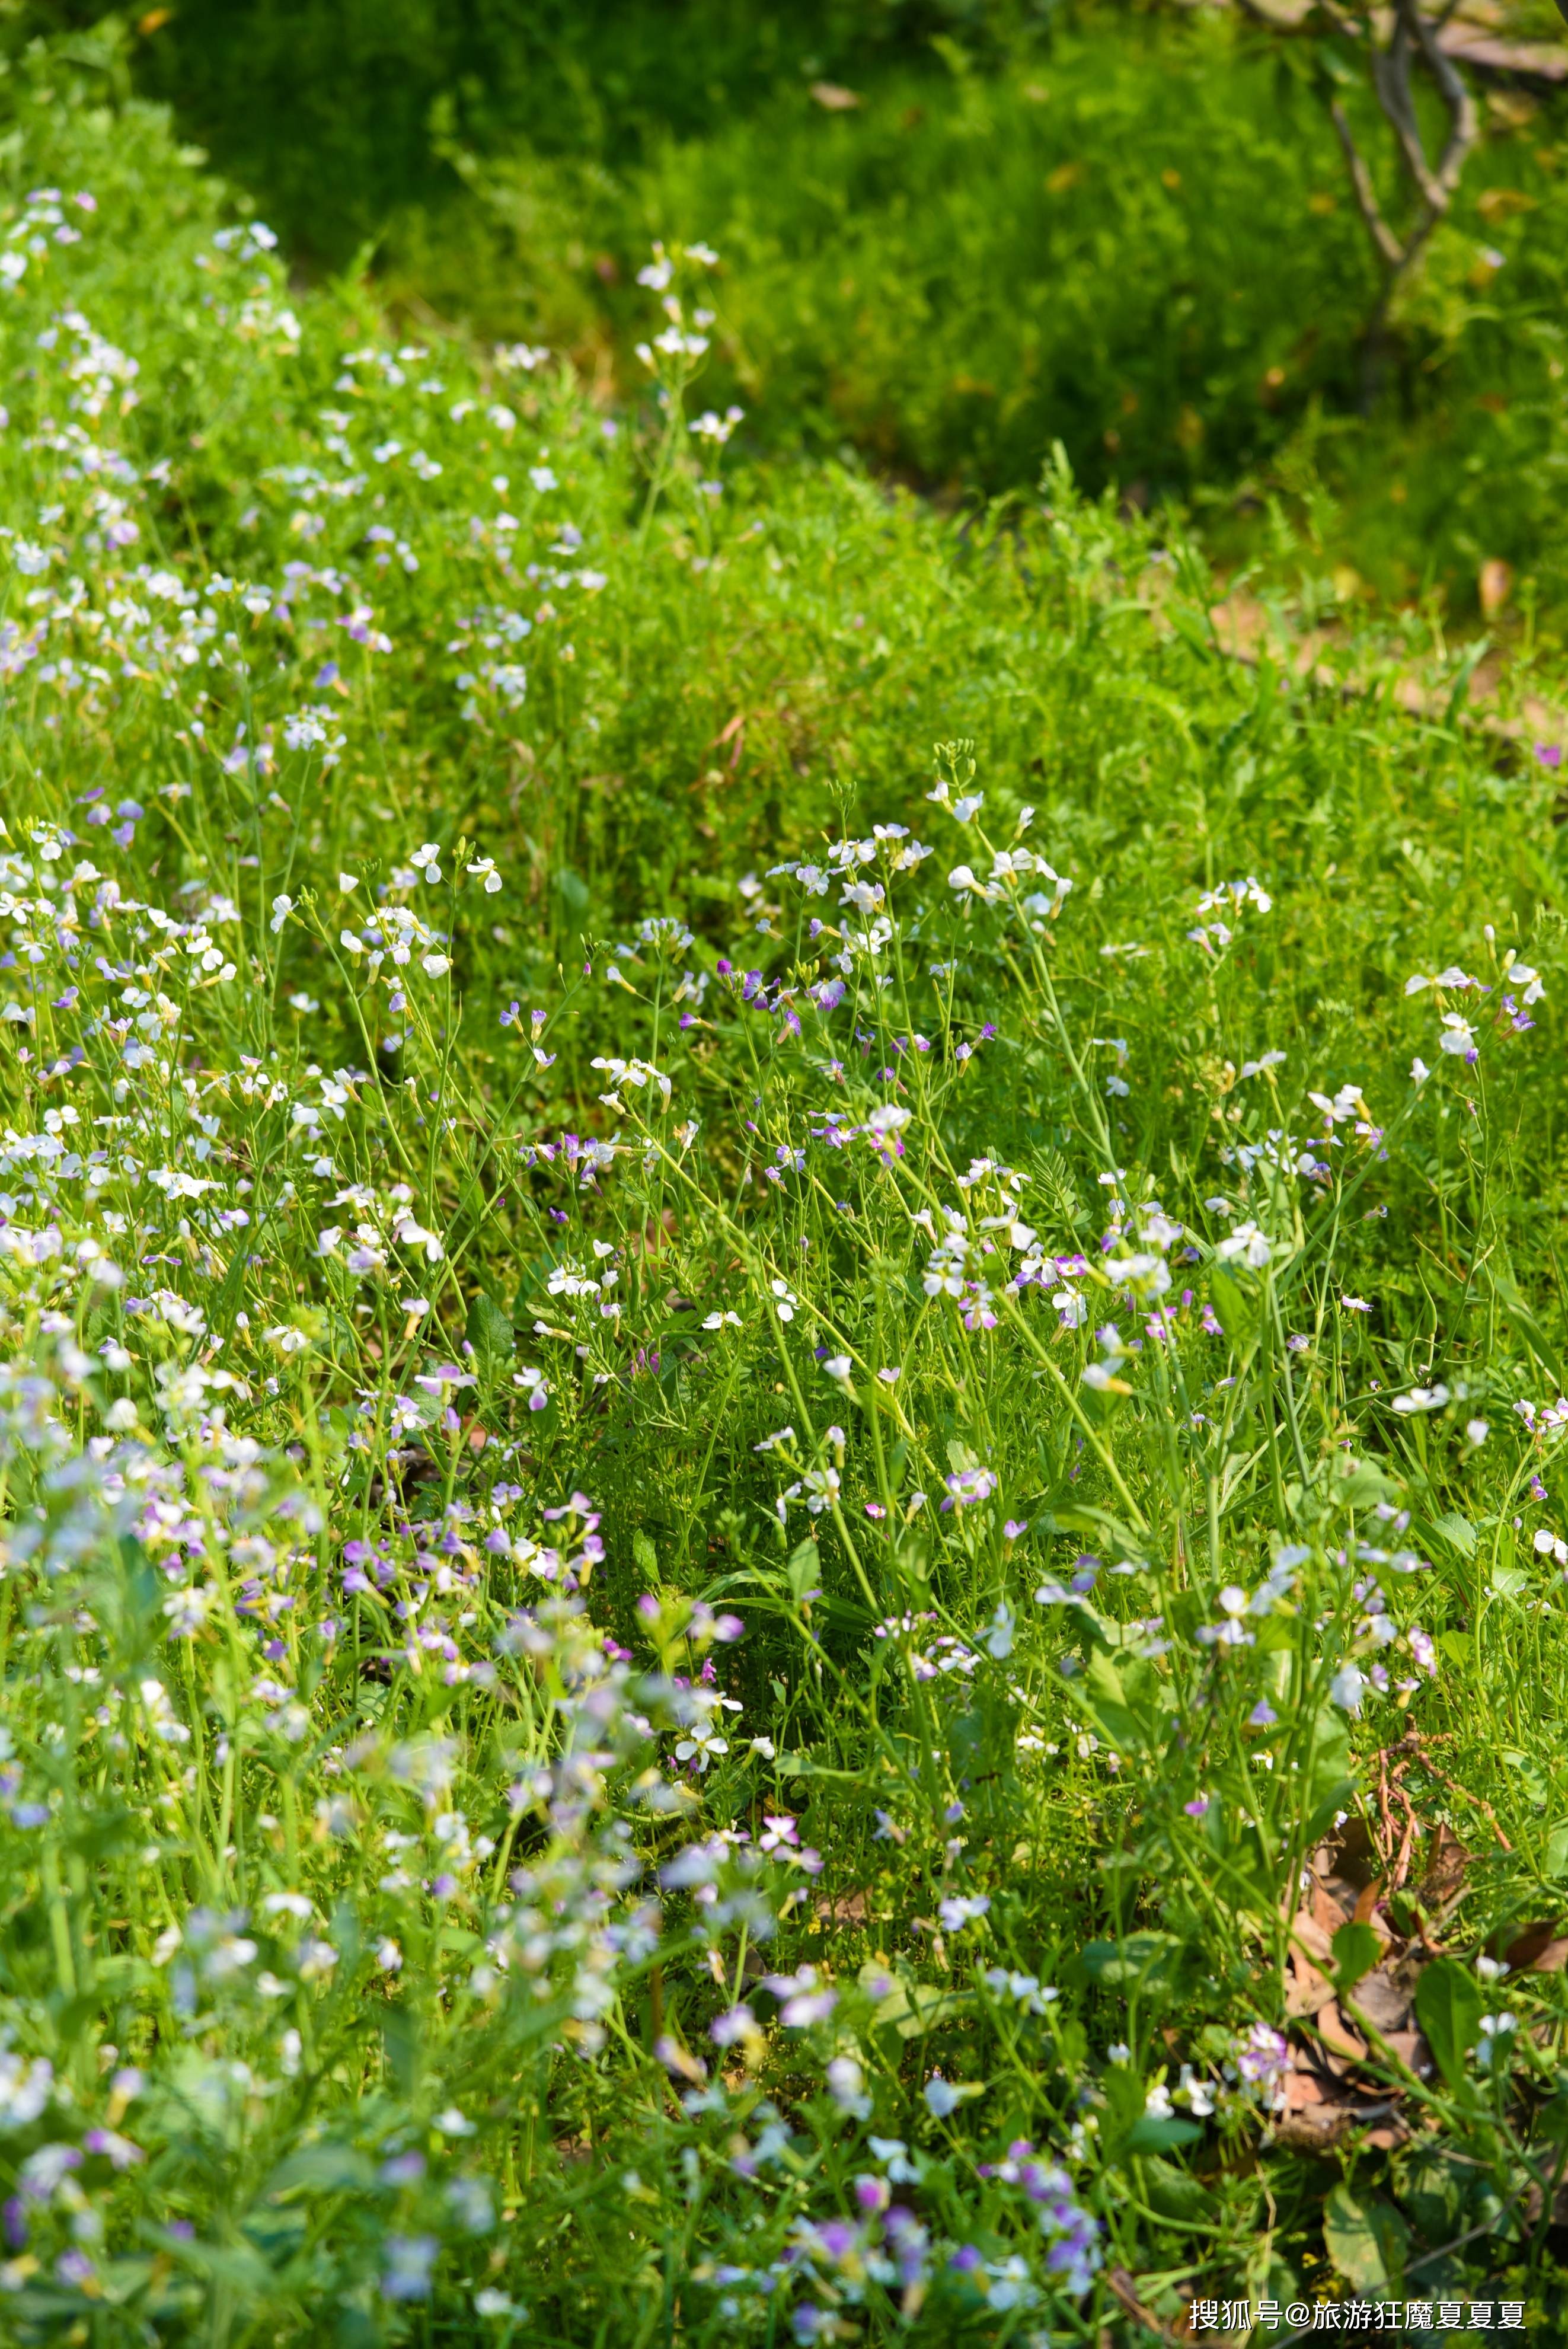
(544,1795)
(971,266)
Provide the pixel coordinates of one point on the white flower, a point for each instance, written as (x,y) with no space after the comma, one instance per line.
(187,1611)
(1248,1242)
(288,1904)
(484,869)
(426,860)
(700,1744)
(282,908)
(786,1300)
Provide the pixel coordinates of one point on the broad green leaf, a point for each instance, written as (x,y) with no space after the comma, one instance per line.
(1448,2009)
(490,1330)
(1366,2239)
(1154,2134)
(804,1570)
(1148,1959)
(1356,1950)
(1237,1314)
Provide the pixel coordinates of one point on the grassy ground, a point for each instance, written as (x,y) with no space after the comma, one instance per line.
(782,1550)
(992,238)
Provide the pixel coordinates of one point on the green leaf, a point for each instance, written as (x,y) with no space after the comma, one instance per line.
(1237,1314)
(1141,1960)
(1456,1531)
(1356,1950)
(1153,2135)
(1361,1486)
(647,1559)
(1175,2192)
(1448,2009)
(1367,2241)
(1105,1696)
(804,1570)
(326,2169)
(490,1330)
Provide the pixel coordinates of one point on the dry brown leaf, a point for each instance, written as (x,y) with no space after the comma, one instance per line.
(849,1909)
(1384,1997)
(835,98)
(1337,2037)
(1530,1949)
(1412,2050)
(1445,1877)
(1315,1937)
(1306,1990)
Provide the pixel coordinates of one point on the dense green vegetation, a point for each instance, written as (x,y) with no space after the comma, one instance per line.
(1013,237)
(781,1551)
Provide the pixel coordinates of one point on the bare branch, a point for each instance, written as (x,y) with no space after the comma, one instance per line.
(1391,82)
(1454,91)
(1382,235)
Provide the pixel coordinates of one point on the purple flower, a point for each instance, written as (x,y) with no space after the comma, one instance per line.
(1549,753)
(409,2259)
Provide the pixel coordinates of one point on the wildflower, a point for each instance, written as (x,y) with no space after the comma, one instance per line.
(701,1745)
(1458,1038)
(1247,1243)
(803,1999)
(1263,2059)
(1495,2030)
(409,2259)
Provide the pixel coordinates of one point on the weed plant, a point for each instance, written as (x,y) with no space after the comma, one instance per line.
(780,1559)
